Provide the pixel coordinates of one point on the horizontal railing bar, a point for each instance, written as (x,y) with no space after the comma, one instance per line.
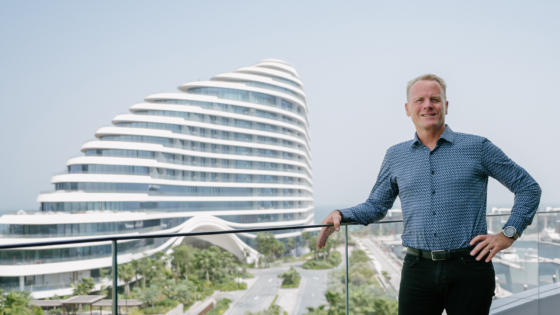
(136,237)
(146,236)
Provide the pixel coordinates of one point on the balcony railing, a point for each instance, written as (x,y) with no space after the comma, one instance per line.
(359,270)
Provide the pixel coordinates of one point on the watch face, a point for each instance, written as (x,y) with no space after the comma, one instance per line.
(509,231)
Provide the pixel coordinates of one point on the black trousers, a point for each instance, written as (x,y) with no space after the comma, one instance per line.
(460,286)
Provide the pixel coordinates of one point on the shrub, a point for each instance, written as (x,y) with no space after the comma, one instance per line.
(358,256)
(154,310)
(231,286)
(221,306)
(291,278)
(334,260)
(166,303)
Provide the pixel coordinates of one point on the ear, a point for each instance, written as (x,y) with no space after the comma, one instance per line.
(406,109)
(446,106)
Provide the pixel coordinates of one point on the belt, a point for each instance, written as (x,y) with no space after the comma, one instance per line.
(441,254)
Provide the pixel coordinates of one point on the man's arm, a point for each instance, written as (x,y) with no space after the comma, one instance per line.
(527,197)
(381,199)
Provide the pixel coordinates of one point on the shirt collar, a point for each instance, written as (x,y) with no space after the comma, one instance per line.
(447,135)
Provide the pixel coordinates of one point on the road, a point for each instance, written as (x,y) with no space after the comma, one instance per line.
(311,291)
(393,269)
(261,294)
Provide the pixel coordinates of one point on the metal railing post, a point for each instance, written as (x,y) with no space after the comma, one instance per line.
(114,295)
(347,261)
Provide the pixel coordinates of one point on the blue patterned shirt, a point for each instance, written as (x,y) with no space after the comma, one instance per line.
(443,191)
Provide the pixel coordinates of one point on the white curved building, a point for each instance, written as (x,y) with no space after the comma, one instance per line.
(229,153)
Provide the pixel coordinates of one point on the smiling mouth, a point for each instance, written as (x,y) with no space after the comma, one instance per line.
(428,115)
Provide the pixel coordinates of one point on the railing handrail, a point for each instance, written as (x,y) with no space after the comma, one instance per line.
(146,236)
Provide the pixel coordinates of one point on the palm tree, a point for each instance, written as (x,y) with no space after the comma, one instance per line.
(206,260)
(136,265)
(83,288)
(144,268)
(182,256)
(17,303)
(126,272)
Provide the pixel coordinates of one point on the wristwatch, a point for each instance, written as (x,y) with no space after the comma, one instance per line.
(510,232)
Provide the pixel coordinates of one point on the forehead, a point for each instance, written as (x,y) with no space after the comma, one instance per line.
(425,87)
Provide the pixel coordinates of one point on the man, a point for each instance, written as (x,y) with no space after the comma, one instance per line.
(441,178)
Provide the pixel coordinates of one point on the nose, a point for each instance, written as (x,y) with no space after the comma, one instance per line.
(428,104)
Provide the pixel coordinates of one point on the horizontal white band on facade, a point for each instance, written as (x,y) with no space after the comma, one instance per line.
(214,99)
(183,122)
(238,86)
(139,179)
(269,71)
(128,197)
(259,70)
(199,110)
(105,131)
(126,216)
(303,128)
(258,78)
(109,160)
(121,145)
(279,65)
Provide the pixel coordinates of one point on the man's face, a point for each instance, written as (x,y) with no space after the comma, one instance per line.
(426,105)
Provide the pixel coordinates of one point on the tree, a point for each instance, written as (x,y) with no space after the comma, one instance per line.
(136,265)
(148,295)
(269,246)
(291,243)
(144,267)
(206,259)
(17,303)
(83,288)
(182,256)
(126,273)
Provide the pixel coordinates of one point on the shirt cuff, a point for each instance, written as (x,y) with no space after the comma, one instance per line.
(347,216)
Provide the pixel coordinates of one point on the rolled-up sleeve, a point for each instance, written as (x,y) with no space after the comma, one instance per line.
(527,192)
(381,198)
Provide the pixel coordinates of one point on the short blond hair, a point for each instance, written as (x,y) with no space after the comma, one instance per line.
(426,77)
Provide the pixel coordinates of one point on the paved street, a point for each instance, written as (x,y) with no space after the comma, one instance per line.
(385,263)
(311,291)
(259,295)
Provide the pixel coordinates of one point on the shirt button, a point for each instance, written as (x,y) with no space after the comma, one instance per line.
(433,192)
(434,213)
(433,172)
(435,234)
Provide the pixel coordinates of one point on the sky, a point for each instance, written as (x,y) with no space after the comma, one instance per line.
(69,67)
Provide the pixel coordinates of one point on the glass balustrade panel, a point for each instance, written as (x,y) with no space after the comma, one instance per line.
(516,268)
(375,256)
(548,237)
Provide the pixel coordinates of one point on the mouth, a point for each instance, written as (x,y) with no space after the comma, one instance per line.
(428,115)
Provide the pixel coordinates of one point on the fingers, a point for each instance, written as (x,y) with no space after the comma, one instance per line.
(336,222)
(478,238)
(321,236)
(493,253)
(483,253)
(324,236)
(479,247)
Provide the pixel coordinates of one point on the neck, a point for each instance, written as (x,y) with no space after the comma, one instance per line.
(429,137)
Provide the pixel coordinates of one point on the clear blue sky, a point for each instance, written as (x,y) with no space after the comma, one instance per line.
(68,67)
